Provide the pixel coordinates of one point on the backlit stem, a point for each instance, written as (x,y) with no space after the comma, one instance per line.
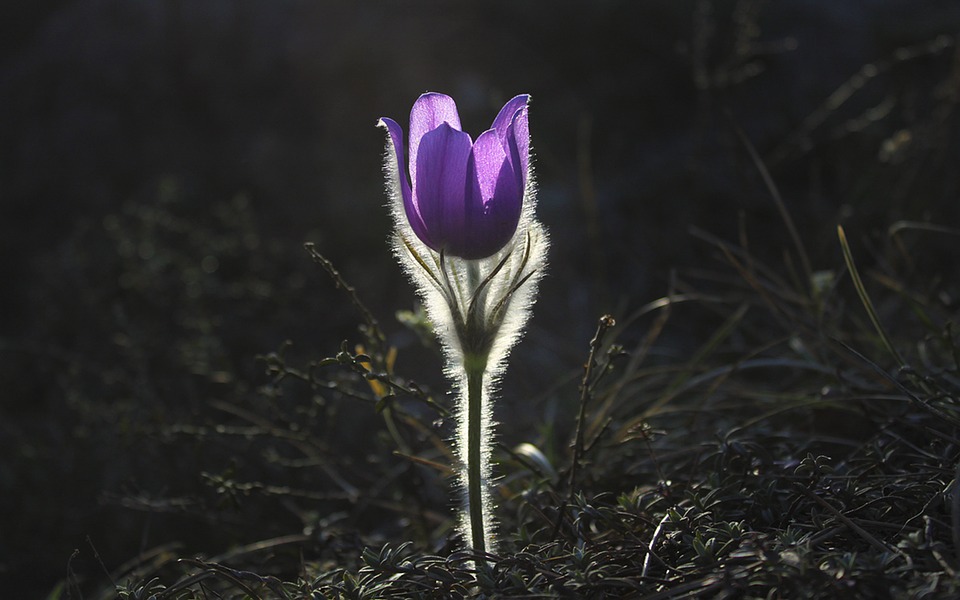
(475,367)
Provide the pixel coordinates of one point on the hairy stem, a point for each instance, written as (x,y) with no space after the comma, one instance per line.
(475,367)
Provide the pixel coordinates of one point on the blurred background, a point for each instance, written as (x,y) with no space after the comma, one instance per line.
(162,164)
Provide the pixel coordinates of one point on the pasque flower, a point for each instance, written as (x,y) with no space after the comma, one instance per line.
(467,237)
(463,196)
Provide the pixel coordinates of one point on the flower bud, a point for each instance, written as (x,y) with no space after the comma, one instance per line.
(463,197)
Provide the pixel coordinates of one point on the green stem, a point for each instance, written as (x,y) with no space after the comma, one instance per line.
(475,367)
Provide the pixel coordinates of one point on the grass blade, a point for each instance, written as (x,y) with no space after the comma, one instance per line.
(865,299)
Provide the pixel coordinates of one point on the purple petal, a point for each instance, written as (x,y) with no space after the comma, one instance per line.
(429,112)
(396,137)
(489,155)
(494,201)
(514,131)
(440,184)
(518,143)
(506,114)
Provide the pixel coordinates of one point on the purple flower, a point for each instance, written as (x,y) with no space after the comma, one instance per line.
(466,196)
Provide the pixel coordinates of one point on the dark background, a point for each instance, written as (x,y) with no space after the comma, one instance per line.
(162,163)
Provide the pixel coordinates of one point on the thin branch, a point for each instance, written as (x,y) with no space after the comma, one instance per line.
(605,323)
